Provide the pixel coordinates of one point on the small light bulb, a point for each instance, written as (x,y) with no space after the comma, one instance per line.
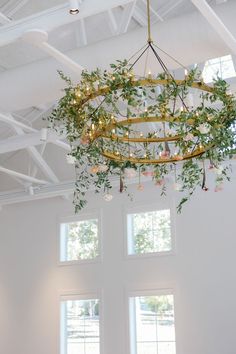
(78,94)
(74,7)
(150,74)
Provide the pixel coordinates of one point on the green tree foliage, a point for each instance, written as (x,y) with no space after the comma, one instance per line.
(152,231)
(82,240)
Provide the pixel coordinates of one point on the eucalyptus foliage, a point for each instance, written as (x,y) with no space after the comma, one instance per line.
(103,99)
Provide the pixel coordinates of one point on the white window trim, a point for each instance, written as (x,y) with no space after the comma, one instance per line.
(208,65)
(92,214)
(148,290)
(81,295)
(146,207)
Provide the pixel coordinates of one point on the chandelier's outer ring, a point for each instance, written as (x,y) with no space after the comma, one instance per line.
(130,121)
(143,83)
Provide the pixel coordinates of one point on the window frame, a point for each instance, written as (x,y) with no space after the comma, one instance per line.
(77,295)
(149,207)
(208,65)
(152,291)
(93,214)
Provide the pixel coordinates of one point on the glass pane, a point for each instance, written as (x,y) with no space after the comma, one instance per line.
(147,348)
(151,232)
(82,327)
(154,324)
(219,67)
(82,240)
(166,348)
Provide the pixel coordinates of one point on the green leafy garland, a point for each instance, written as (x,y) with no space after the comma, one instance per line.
(82,112)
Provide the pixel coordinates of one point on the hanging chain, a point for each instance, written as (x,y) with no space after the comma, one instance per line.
(149,22)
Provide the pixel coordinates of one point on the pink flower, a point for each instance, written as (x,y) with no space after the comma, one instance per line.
(84,140)
(140,187)
(94,169)
(189,137)
(102,168)
(218,188)
(178,157)
(108,197)
(204,128)
(71,160)
(177,187)
(160,182)
(148,173)
(130,173)
(164,154)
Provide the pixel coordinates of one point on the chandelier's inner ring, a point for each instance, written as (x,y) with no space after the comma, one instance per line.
(108,131)
(138,120)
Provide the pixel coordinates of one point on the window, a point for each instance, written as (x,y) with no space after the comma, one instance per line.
(222,67)
(152,325)
(80,330)
(79,240)
(149,232)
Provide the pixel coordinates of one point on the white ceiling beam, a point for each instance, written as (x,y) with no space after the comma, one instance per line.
(171,8)
(140,17)
(39,38)
(55,17)
(8,4)
(155,13)
(18,6)
(8,119)
(22,142)
(126,17)
(42,192)
(41,151)
(38,159)
(22,176)
(112,22)
(42,83)
(83,32)
(49,191)
(4,19)
(216,23)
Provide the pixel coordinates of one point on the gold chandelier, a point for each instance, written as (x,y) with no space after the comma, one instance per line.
(118,122)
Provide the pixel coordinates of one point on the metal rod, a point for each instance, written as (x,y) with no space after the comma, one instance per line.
(149,22)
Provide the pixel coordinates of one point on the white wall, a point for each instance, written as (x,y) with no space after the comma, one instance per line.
(202,273)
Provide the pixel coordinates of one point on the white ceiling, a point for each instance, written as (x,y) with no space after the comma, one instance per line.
(79,36)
